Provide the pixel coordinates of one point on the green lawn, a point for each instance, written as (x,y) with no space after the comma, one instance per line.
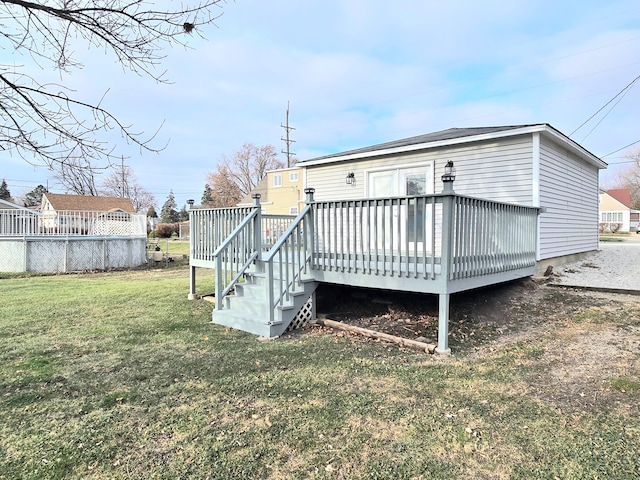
(173,247)
(118,376)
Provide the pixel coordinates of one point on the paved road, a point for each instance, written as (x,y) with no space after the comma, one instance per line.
(615,266)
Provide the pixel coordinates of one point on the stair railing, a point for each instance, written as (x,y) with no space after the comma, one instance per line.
(237,252)
(292,255)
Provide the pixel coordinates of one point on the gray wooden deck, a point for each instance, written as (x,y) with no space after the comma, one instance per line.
(439,244)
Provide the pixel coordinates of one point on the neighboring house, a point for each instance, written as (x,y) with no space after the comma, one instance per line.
(17,220)
(439,213)
(280,192)
(85,214)
(532,165)
(616,214)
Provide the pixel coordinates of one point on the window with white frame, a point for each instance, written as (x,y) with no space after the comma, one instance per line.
(293,176)
(277,180)
(609,217)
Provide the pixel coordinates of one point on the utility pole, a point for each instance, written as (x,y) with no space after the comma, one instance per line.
(286,139)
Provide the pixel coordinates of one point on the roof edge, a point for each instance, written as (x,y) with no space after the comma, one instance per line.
(544,128)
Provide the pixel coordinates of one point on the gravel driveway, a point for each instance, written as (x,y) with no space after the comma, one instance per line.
(615,266)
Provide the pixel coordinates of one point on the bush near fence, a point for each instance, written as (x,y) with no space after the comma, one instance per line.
(166,230)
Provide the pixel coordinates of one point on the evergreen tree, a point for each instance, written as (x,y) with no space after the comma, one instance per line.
(34,197)
(5,194)
(169,212)
(184,214)
(207,199)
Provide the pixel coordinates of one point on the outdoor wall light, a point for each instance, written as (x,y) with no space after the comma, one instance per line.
(449,172)
(191,201)
(351,178)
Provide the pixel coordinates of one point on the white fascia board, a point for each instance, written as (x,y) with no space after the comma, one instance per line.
(575,147)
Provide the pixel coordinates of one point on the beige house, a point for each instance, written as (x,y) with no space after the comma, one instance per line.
(281,192)
(616,214)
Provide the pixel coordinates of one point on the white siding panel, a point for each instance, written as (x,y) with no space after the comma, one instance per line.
(569,195)
(498,170)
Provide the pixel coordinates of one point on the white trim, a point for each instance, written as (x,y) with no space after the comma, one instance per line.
(535,194)
(536,170)
(397,168)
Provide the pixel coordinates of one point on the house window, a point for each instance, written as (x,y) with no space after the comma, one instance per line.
(293,176)
(277,180)
(293,210)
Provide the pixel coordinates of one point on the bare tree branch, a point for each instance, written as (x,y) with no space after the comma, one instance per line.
(43,123)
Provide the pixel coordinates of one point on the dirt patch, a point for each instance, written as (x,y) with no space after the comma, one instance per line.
(588,340)
(476,317)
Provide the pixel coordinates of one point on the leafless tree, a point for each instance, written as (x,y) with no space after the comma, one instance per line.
(123,183)
(629,178)
(225,192)
(43,122)
(244,169)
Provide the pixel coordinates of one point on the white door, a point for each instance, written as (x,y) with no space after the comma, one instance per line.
(411,222)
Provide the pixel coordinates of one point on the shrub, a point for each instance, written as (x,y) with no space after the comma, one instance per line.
(165,230)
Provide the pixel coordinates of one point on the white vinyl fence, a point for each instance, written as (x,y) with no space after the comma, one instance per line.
(69,241)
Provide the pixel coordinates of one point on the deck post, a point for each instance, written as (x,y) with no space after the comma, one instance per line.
(443,324)
(192,269)
(257,224)
(192,283)
(446,253)
(309,226)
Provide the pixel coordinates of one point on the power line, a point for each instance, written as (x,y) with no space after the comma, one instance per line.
(604,106)
(616,151)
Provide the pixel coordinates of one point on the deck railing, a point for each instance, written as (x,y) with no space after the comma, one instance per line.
(210,227)
(491,237)
(405,236)
(288,260)
(442,237)
(273,227)
(235,254)
(383,236)
(15,222)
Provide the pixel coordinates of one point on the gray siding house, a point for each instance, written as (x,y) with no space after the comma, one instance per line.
(439,213)
(531,165)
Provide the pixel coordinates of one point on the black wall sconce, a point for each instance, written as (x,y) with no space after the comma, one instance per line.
(351,178)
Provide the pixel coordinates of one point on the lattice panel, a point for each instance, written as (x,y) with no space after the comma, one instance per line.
(304,316)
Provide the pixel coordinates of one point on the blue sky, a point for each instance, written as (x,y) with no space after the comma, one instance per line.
(357,73)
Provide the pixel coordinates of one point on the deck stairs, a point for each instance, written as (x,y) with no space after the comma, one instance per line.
(250,309)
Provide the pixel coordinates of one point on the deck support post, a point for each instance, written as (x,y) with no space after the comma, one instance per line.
(446,262)
(192,283)
(443,325)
